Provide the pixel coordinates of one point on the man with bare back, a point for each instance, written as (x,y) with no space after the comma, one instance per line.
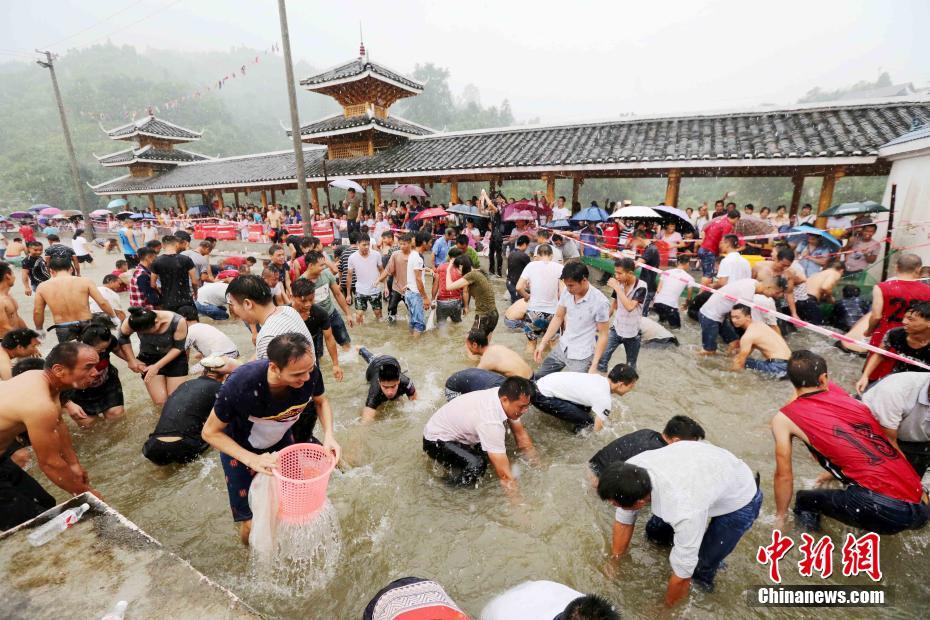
(67,296)
(33,406)
(9,309)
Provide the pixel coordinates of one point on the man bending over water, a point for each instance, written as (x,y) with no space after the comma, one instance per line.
(32,405)
(469,431)
(763,339)
(385,382)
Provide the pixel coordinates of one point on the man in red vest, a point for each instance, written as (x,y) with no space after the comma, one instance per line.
(882,492)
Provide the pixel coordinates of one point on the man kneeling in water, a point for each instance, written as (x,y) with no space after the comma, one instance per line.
(177,436)
(575,396)
(471,380)
(385,382)
(469,431)
(762,338)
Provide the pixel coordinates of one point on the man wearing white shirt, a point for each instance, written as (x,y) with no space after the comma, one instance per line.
(365,267)
(543,277)
(111,285)
(714,313)
(806,216)
(671,285)
(585,312)
(532,600)
(583,398)
(901,404)
(80,246)
(733,266)
(685,483)
(468,432)
(211,300)
(205,340)
(415,297)
(560,211)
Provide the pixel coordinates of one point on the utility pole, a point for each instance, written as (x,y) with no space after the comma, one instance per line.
(72,161)
(295,121)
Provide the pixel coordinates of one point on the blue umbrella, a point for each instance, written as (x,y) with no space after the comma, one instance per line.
(38,207)
(148,216)
(591,214)
(136,216)
(559,224)
(117,203)
(811,230)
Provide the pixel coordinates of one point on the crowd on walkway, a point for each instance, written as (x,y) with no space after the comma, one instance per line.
(302,300)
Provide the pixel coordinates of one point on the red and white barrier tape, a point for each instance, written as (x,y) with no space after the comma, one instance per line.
(796,322)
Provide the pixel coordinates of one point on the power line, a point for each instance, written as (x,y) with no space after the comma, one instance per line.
(141,19)
(95,24)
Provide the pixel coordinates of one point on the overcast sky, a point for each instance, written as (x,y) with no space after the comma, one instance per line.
(569,60)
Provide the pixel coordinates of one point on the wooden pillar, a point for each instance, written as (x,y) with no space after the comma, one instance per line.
(219,198)
(798,182)
(264,200)
(550,189)
(453,193)
(492,186)
(671,189)
(274,201)
(236,196)
(182,202)
(826,193)
(314,199)
(151,203)
(577,182)
(177,198)
(376,195)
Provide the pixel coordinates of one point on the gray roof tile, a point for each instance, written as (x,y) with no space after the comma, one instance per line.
(151,126)
(357,67)
(341,122)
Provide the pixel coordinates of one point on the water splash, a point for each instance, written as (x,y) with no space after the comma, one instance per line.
(304,558)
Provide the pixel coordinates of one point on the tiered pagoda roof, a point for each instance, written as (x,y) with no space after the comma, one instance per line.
(150,155)
(768,141)
(152,127)
(338,124)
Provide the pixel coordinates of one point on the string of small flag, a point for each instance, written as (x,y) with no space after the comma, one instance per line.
(217,85)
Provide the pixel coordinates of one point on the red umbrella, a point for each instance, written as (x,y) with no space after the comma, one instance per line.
(431,213)
(528,204)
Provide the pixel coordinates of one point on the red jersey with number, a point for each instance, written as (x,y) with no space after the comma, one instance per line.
(897,295)
(847,441)
(714,232)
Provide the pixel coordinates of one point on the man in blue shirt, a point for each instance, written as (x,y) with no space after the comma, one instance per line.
(129,243)
(589,236)
(255,410)
(442,246)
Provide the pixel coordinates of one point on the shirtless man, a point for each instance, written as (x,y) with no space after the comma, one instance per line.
(496,357)
(67,297)
(781,267)
(17,344)
(15,252)
(9,309)
(33,406)
(766,341)
(820,285)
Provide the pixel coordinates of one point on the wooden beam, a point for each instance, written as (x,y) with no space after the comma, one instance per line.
(826,193)
(671,189)
(577,182)
(183,202)
(264,200)
(798,182)
(219,198)
(453,192)
(550,189)
(151,203)
(274,200)
(236,196)
(177,198)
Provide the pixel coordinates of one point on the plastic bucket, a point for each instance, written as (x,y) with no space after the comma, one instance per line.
(301,478)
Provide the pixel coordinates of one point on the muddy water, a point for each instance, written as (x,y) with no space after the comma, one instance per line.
(398,518)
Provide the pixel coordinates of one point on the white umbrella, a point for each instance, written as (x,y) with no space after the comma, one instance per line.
(636,213)
(343,183)
(409,190)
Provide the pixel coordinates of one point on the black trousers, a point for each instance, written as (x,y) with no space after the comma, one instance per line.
(21,497)
(579,415)
(496,256)
(917,454)
(861,508)
(394,301)
(470,461)
(669,315)
(184,450)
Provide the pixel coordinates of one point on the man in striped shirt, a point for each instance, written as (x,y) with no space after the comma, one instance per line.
(142,293)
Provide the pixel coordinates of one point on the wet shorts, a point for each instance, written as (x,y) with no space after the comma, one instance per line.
(97,400)
(362,301)
(535,324)
(239,479)
(87,258)
(184,450)
(175,368)
(449,309)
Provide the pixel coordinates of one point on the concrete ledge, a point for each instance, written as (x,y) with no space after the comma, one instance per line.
(104,558)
